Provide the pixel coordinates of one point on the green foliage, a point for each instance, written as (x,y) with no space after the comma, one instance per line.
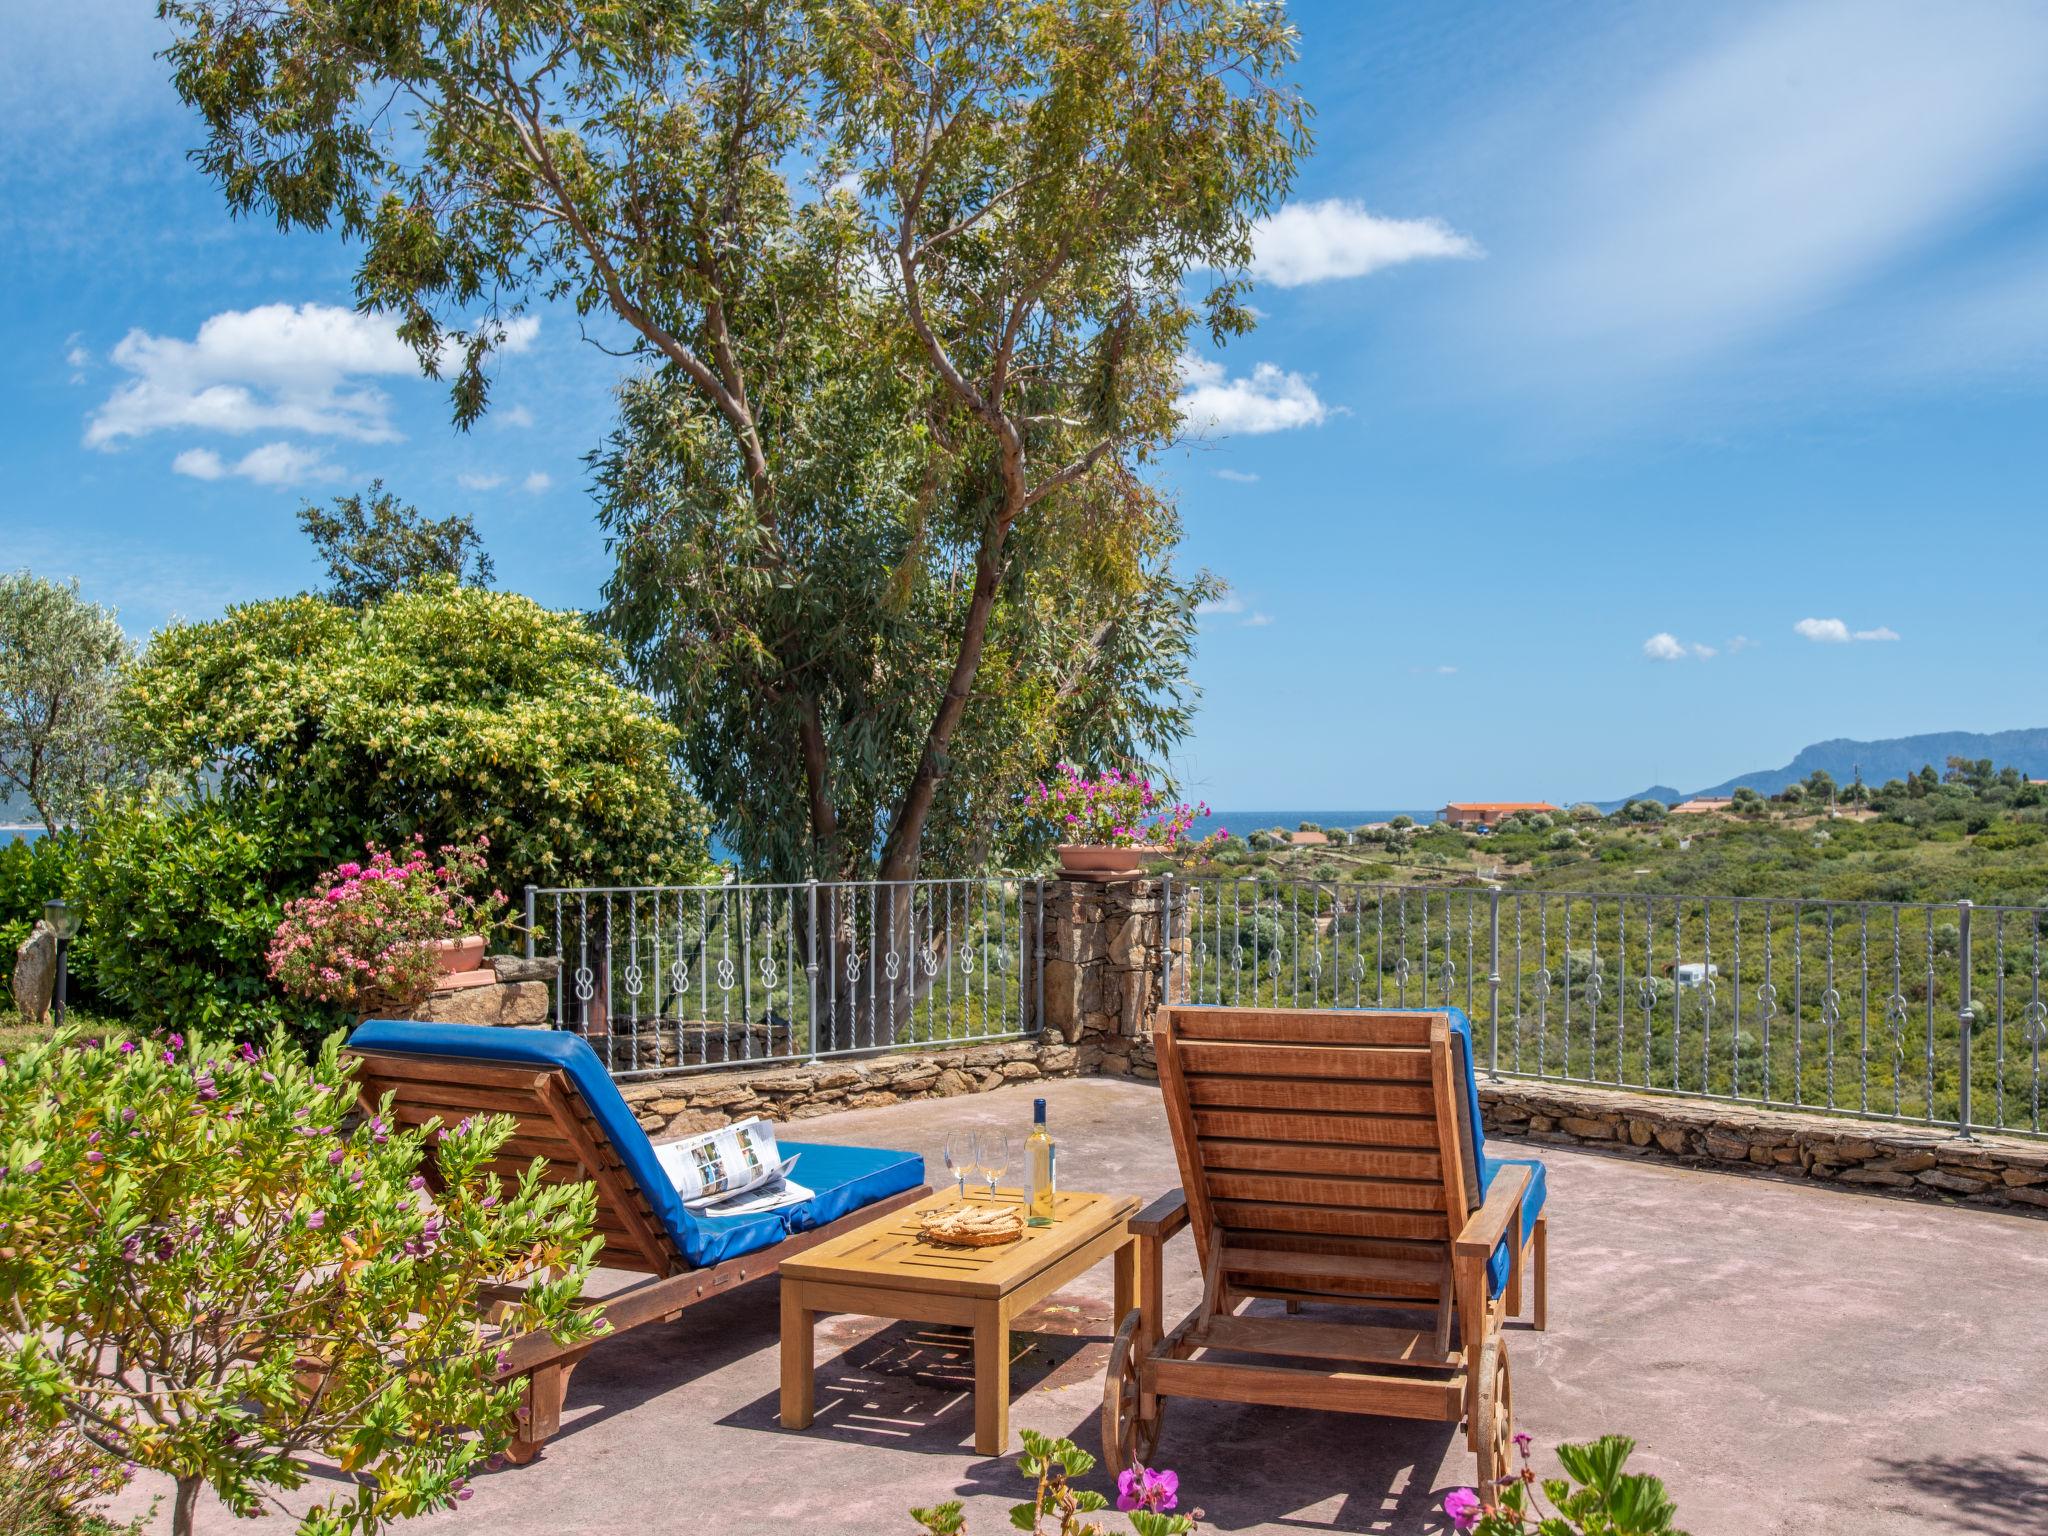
(883,539)
(32,873)
(1053,1466)
(1600,1498)
(59,657)
(448,713)
(181,895)
(373,544)
(217,1282)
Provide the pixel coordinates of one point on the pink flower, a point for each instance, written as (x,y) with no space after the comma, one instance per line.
(1462,1506)
(127,1047)
(317,1220)
(1143,1488)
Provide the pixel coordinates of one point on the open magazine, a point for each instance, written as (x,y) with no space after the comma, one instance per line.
(735,1170)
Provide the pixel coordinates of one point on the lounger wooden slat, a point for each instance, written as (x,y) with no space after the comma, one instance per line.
(1299,1093)
(1367,1130)
(1327,1157)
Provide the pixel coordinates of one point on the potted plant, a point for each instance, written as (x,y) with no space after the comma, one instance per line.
(1107,826)
(379,936)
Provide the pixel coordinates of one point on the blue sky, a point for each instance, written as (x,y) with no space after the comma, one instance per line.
(1643,392)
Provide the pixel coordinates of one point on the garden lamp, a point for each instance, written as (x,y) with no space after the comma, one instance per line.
(63,922)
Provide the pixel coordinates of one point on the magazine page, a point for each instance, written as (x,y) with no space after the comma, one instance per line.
(719,1164)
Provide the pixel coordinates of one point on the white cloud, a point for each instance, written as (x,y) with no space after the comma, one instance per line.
(278,367)
(1835,632)
(1237,476)
(513,416)
(1313,242)
(1439,670)
(537,482)
(77,357)
(475,482)
(199,463)
(1257,621)
(272,464)
(1742,643)
(1268,400)
(1228,604)
(1665,646)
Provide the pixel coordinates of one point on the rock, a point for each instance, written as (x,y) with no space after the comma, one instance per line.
(519,968)
(1640,1132)
(1854,1149)
(1876,1176)
(1903,1162)
(1671,1138)
(874,1098)
(35,972)
(1730,1149)
(1954,1183)
(1589,1130)
(1785,1155)
(690,1122)
(952,1083)
(2018,1176)
(2037,1197)
(518,1003)
(1018,1071)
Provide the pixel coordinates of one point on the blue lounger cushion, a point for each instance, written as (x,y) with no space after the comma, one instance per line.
(1489,1167)
(842,1179)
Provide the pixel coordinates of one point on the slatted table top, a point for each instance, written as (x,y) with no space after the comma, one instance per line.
(888,1253)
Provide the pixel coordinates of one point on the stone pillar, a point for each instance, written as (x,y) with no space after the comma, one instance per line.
(1104,968)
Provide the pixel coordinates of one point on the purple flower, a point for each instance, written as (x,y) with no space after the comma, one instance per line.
(176,1042)
(334,1157)
(317,1220)
(1462,1505)
(1143,1488)
(95,1157)
(132,1249)
(1523,1442)
(206,1088)
(248,1051)
(127,1047)
(127,1116)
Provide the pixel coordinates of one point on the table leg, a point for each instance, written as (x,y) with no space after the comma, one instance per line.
(1125,1289)
(799,1358)
(991,1379)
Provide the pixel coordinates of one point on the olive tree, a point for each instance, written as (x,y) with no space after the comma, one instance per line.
(60,660)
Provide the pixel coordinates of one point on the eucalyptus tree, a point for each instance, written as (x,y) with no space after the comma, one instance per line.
(910,285)
(373,544)
(60,663)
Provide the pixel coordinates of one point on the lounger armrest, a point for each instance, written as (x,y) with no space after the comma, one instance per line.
(1503,1209)
(1163,1217)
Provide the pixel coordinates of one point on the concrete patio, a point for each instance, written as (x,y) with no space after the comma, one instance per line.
(1791,1358)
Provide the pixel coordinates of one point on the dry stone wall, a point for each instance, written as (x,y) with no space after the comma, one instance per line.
(1997,1171)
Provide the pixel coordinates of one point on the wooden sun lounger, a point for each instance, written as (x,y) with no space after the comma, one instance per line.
(556,1124)
(1326,1159)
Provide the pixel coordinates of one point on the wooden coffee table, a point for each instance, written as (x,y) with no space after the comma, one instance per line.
(884,1270)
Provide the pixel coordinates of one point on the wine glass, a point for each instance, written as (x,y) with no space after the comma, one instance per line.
(993,1153)
(960,1159)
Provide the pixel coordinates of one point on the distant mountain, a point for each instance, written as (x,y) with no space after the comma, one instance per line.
(1877,761)
(1663,792)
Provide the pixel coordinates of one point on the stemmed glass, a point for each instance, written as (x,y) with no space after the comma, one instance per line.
(992,1151)
(961,1156)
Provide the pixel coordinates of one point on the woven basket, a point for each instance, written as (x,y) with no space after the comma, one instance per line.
(970,1226)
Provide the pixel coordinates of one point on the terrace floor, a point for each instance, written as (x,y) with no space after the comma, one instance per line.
(1791,1359)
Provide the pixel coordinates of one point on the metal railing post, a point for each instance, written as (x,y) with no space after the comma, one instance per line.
(530,893)
(811,956)
(1165,942)
(1966,1021)
(1493,979)
(1038,986)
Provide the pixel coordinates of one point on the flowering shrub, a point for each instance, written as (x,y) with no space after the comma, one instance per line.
(209,1277)
(364,937)
(1149,1497)
(51,1476)
(1118,810)
(1599,1500)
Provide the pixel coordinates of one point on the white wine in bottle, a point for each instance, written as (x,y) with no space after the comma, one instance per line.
(1039,1150)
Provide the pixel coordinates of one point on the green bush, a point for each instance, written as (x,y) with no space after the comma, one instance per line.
(447,711)
(183,896)
(32,873)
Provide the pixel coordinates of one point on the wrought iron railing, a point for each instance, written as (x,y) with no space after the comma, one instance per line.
(661,979)
(1931,1012)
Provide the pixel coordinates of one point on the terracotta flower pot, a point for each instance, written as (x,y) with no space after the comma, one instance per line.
(1099,861)
(454,955)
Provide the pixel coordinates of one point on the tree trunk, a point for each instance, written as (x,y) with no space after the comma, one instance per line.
(185,1508)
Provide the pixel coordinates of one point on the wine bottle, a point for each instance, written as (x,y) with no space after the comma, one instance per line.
(1039,1149)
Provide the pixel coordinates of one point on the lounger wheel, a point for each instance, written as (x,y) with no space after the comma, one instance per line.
(1493,1411)
(1127,1438)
